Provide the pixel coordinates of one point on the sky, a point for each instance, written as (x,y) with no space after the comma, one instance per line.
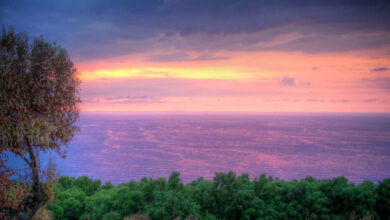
(219,55)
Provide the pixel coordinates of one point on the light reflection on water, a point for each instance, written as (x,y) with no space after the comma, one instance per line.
(119,148)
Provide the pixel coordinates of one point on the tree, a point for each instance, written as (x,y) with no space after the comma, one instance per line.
(39,100)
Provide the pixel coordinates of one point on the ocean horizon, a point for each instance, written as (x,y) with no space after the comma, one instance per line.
(123,146)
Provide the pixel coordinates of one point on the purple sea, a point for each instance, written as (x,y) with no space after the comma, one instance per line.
(124,146)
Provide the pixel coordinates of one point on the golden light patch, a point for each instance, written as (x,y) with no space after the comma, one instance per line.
(189,73)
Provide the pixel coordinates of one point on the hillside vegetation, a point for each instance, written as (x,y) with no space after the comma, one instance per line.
(227,196)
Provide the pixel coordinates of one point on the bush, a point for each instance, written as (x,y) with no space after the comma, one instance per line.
(112,216)
(227,196)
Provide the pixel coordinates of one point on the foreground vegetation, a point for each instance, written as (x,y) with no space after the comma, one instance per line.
(227,196)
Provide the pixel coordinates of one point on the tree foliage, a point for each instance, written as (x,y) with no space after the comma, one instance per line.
(227,196)
(39,100)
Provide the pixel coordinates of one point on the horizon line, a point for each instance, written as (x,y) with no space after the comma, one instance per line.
(169,112)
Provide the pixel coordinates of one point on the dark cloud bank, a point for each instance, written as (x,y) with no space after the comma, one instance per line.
(98,29)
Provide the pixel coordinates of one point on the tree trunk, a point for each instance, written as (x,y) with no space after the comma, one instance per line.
(35,175)
(34,202)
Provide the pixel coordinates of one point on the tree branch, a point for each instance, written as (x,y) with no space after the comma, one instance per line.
(21,155)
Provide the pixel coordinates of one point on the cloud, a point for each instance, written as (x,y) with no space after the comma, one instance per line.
(210,57)
(89,100)
(181,57)
(371,100)
(379,69)
(277,100)
(113,98)
(382,83)
(135,99)
(290,81)
(315,100)
(328,100)
(98,29)
(339,100)
(287,81)
(304,83)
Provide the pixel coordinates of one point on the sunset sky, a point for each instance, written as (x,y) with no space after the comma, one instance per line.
(219,55)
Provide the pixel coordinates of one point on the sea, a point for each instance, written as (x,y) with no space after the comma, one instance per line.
(124,146)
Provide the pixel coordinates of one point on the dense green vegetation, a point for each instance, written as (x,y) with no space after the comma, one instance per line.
(227,196)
